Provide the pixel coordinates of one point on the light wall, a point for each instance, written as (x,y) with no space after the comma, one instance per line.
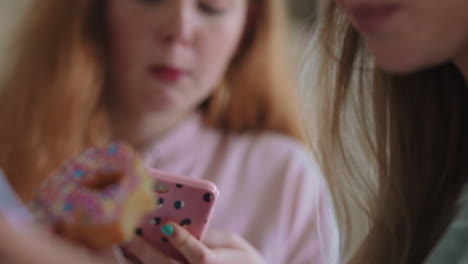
(10,14)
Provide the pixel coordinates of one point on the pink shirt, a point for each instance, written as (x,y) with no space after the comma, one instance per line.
(272,192)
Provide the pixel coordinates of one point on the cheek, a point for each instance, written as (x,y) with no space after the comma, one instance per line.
(126,58)
(422,38)
(214,56)
(126,45)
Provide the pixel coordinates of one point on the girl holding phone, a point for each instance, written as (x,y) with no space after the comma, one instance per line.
(200,87)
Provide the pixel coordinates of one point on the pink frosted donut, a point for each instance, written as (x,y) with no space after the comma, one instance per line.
(98,198)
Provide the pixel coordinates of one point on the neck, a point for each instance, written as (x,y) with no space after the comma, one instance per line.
(139,129)
(462,63)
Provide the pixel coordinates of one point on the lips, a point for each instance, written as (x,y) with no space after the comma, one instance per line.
(369,18)
(167,74)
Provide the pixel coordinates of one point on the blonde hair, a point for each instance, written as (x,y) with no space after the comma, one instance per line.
(53,102)
(394,144)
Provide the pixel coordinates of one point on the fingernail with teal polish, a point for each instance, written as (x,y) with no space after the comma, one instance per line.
(167,230)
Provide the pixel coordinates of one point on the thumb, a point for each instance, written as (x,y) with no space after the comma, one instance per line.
(139,251)
(188,245)
(222,239)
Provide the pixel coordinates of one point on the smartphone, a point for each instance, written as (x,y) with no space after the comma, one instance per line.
(181,199)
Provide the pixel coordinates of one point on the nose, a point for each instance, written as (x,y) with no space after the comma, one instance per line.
(179,24)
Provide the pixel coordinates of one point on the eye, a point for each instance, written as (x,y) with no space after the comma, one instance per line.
(210,9)
(149,2)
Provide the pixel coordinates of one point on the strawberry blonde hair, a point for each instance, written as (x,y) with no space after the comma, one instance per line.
(53,101)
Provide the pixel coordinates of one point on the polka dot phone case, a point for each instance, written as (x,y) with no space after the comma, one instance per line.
(184,200)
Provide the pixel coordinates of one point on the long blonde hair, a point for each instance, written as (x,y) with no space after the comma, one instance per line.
(53,102)
(395,144)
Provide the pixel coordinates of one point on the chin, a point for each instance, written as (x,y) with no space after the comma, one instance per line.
(159,107)
(404,65)
(397,69)
(159,102)
(406,61)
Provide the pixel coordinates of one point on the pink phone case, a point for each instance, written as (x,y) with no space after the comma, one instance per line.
(187,201)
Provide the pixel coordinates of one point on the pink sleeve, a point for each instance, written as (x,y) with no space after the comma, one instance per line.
(313,235)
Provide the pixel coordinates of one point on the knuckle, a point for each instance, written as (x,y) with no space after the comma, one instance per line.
(233,238)
(182,241)
(206,257)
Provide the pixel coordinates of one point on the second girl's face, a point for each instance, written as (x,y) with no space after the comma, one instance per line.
(408,35)
(169,55)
